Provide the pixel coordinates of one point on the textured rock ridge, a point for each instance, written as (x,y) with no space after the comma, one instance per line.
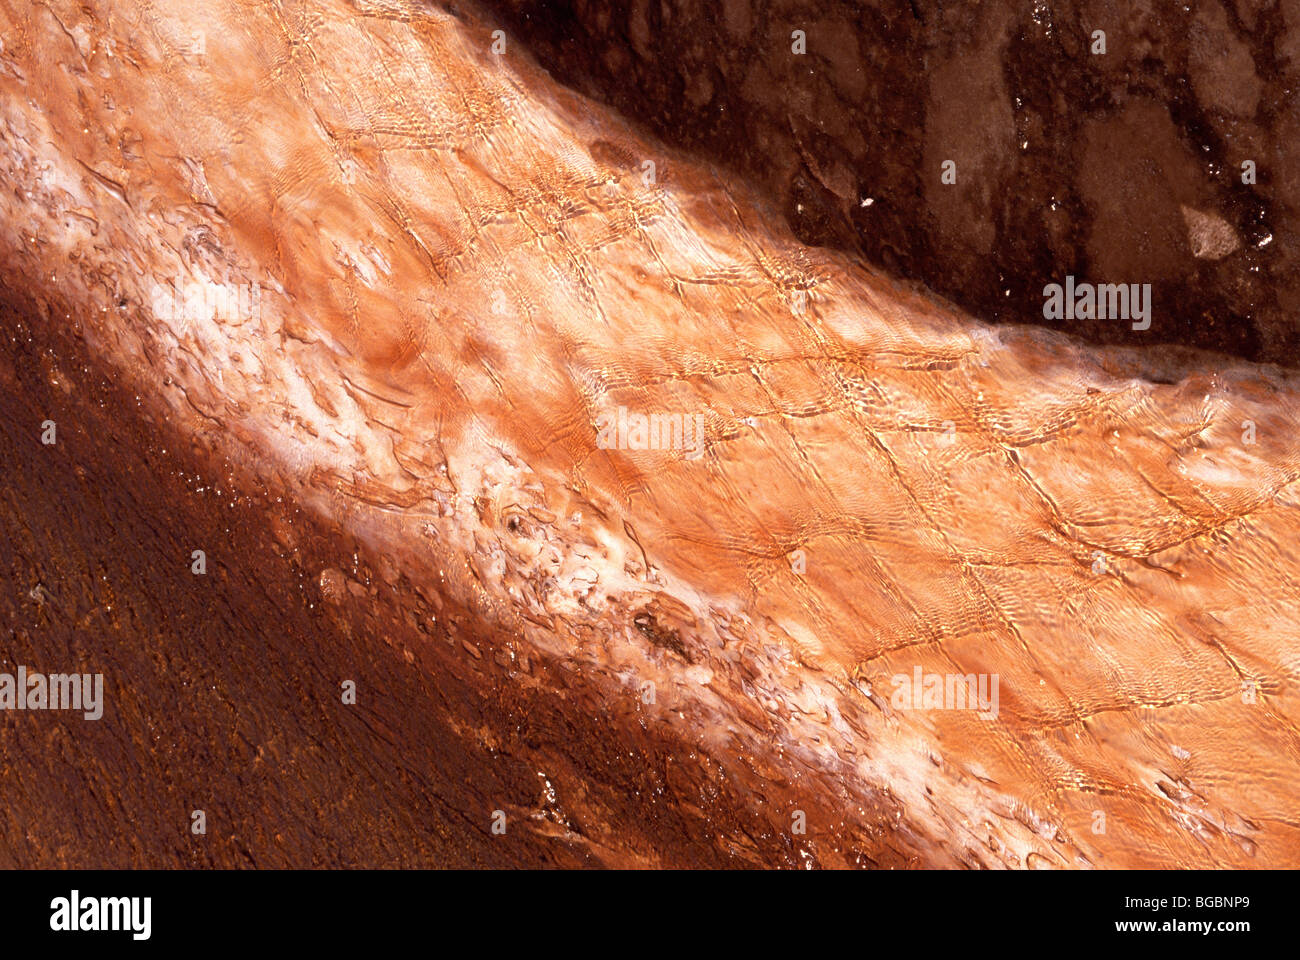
(462,273)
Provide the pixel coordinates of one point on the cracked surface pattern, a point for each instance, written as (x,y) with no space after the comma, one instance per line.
(461,270)
(1112,166)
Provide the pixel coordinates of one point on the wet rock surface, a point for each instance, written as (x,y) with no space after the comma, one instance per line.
(470,307)
(1107,167)
(225,691)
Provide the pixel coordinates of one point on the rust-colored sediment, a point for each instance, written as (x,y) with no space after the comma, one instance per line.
(224,692)
(461,269)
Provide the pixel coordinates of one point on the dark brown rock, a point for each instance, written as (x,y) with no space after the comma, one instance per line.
(642,653)
(1067,162)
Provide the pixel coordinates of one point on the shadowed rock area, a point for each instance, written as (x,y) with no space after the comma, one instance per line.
(445,422)
(1122,167)
(223,692)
